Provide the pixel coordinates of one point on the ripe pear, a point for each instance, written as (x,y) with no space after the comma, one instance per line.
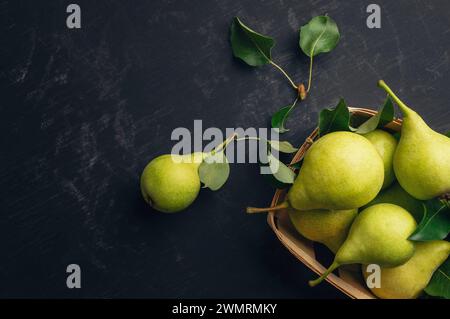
(395,194)
(379,235)
(410,279)
(341,170)
(385,144)
(422,158)
(329,227)
(170,183)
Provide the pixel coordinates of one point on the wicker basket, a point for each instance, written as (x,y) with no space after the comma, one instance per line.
(348,281)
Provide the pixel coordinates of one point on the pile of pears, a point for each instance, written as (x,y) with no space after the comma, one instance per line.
(361,196)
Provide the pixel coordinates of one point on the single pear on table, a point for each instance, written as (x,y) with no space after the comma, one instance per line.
(378,235)
(422,158)
(170,183)
(395,194)
(410,279)
(328,227)
(386,145)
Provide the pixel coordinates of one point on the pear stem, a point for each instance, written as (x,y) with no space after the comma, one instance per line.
(284,73)
(253,210)
(224,145)
(403,107)
(333,266)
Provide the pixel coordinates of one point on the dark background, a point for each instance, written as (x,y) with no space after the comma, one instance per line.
(83,111)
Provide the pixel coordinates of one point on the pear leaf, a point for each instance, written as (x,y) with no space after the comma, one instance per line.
(383,117)
(448,134)
(280,117)
(276,183)
(332,120)
(283,146)
(435,224)
(214,171)
(320,35)
(280,171)
(253,48)
(397,136)
(439,285)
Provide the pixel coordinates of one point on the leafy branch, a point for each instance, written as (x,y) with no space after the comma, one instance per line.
(214,169)
(320,35)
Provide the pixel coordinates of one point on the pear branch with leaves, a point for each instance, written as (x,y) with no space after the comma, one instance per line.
(320,35)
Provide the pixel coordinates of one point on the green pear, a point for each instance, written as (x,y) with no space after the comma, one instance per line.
(329,227)
(170,183)
(396,195)
(410,279)
(379,235)
(385,144)
(422,158)
(341,170)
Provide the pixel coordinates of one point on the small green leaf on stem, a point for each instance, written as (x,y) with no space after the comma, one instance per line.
(280,117)
(336,119)
(383,117)
(435,224)
(439,285)
(214,171)
(253,48)
(320,35)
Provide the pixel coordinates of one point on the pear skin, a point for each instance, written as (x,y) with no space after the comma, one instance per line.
(329,227)
(395,194)
(170,183)
(340,171)
(386,145)
(422,158)
(379,235)
(410,279)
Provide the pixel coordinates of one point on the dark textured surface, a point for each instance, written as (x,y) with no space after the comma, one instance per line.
(82,112)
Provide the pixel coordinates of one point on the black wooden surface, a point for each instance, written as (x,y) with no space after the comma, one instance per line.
(83,111)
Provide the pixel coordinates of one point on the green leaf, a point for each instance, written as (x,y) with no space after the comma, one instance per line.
(448,134)
(283,146)
(332,120)
(383,117)
(253,48)
(320,35)
(439,285)
(214,171)
(279,119)
(435,224)
(280,171)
